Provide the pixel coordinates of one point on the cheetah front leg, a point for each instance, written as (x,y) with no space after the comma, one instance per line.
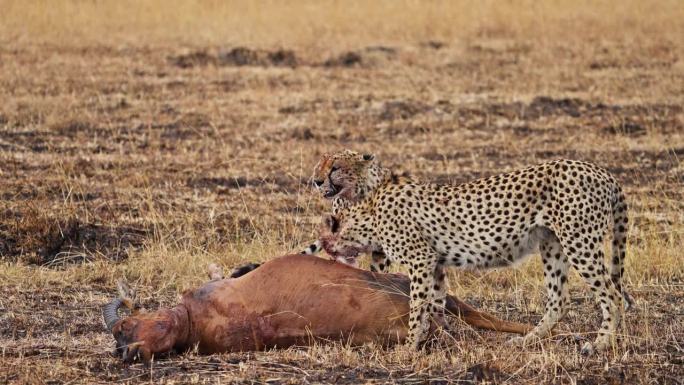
(428,295)
(420,307)
(438,294)
(587,258)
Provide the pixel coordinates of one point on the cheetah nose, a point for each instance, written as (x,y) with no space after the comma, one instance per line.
(318,182)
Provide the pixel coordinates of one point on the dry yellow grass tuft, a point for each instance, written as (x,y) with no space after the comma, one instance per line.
(148,139)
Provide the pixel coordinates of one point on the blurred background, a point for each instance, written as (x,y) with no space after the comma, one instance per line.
(323,25)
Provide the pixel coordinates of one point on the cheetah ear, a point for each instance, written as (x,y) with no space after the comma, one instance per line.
(332,223)
(368,157)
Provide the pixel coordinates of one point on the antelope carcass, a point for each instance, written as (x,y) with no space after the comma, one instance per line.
(290,300)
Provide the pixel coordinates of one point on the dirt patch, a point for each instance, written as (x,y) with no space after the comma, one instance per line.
(630,120)
(499,47)
(382,49)
(480,373)
(347,59)
(193,59)
(221,185)
(45,239)
(239,56)
(188,126)
(303,134)
(626,129)
(318,104)
(402,109)
(242,56)
(609,377)
(433,44)
(544,105)
(367,57)
(72,128)
(34,141)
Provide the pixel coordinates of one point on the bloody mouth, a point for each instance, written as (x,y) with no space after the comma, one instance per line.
(335,189)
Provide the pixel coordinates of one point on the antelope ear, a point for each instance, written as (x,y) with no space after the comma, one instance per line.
(332,223)
(368,157)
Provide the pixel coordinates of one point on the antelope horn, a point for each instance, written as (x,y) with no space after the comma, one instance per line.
(109,312)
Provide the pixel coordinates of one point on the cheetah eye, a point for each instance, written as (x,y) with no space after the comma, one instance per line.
(334,168)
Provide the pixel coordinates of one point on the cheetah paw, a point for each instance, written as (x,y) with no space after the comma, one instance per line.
(601,344)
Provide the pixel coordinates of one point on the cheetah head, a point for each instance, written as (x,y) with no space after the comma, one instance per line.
(346,175)
(344,239)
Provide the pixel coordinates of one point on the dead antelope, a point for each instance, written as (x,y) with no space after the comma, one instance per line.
(290,300)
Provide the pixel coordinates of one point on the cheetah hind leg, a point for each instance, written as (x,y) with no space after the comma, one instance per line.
(616,267)
(555,278)
(593,270)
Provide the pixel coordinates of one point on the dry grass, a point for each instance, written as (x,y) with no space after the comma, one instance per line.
(132,144)
(316,25)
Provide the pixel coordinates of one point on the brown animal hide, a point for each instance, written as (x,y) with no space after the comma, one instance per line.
(290,300)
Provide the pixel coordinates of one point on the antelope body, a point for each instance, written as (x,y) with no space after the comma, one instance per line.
(290,300)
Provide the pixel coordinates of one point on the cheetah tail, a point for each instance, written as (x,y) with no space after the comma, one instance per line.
(617,262)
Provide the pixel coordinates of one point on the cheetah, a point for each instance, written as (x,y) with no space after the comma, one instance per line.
(346,177)
(562,208)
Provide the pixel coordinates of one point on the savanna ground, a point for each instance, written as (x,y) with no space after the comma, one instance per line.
(147,139)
